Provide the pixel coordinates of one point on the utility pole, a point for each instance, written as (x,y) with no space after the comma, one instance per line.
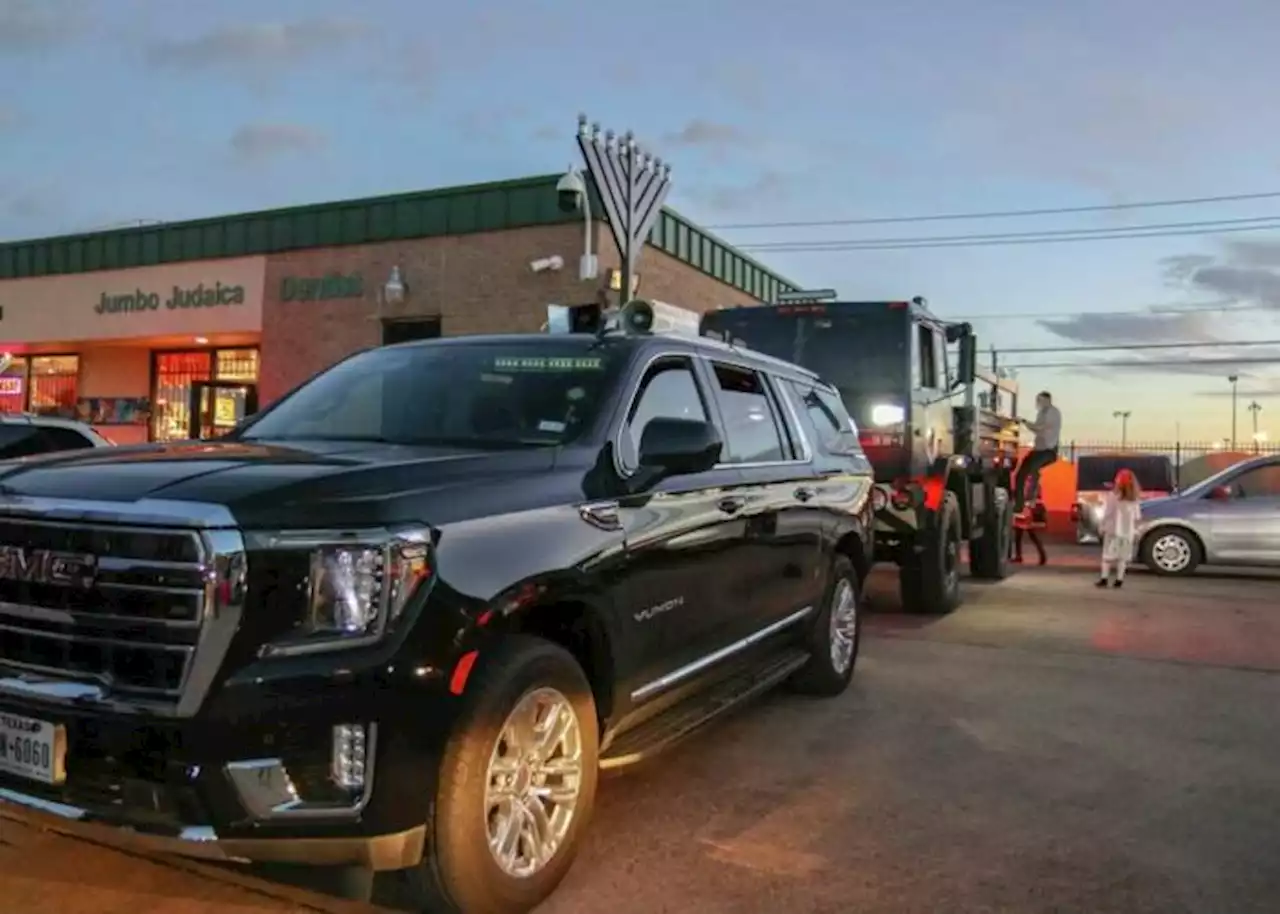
(1234,379)
(1123,416)
(633,185)
(1255,407)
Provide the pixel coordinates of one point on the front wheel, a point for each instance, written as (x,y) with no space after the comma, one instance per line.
(1172,551)
(835,636)
(929,580)
(517,784)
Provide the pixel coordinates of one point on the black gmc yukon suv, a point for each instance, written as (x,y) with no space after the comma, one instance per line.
(399,620)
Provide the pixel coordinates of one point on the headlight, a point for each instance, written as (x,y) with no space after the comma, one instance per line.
(887,414)
(357,587)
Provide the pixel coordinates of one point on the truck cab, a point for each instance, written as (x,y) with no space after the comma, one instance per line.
(937,430)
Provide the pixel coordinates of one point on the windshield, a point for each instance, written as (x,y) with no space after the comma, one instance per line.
(861,350)
(1097,472)
(542,393)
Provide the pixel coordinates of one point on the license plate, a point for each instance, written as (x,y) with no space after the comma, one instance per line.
(33,749)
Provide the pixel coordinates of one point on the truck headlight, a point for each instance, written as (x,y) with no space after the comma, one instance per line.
(887,414)
(354,591)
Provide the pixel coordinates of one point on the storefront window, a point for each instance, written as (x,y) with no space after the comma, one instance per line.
(53,384)
(176,377)
(13,387)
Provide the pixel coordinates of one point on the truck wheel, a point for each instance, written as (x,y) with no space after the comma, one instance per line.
(516,786)
(834,638)
(1171,551)
(929,580)
(989,554)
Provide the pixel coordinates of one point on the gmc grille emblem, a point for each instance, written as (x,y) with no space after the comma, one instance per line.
(44,566)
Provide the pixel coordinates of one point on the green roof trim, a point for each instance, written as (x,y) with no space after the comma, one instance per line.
(521,203)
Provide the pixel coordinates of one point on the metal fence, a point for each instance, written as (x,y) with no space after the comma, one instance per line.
(1192,460)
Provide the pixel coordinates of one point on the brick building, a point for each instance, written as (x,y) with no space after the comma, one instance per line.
(162,332)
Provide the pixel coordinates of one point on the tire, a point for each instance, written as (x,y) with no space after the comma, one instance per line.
(929,580)
(835,636)
(1171,551)
(459,872)
(989,554)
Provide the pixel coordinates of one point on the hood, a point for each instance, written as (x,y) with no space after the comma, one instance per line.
(294,483)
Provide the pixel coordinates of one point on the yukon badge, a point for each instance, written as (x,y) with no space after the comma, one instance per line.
(654,611)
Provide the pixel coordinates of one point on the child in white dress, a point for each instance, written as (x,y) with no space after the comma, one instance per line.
(1120,520)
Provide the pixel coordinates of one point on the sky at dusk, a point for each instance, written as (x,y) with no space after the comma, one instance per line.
(123,110)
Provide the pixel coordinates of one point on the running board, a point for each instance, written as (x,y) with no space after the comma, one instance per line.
(660,733)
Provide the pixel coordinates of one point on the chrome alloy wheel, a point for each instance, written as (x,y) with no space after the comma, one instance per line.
(533,783)
(844,624)
(1171,552)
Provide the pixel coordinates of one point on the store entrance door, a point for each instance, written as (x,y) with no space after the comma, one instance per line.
(218,406)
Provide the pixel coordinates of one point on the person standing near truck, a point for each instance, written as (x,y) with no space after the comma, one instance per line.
(1047,428)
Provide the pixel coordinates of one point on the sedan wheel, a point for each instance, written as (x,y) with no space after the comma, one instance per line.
(1172,552)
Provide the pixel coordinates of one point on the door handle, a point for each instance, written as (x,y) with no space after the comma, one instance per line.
(731,504)
(804,493)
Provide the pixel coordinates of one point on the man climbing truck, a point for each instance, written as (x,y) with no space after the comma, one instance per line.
(938,431)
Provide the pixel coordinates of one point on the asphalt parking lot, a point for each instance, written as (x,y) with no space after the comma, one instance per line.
(1048,748)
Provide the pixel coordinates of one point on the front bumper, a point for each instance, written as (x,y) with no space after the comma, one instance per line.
(379,852)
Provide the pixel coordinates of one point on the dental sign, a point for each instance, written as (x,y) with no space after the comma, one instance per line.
(182,299)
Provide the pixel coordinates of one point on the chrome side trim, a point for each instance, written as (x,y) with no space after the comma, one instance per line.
(395,851)
(148,512)
(268,797)
(675,677)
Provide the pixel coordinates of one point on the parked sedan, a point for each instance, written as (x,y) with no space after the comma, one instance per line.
(26,435)
(1231,518)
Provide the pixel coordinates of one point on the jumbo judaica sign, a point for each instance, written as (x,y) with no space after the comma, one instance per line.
(197,296)
(321,288)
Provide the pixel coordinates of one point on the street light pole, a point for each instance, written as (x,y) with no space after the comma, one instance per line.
(1123,416)
(1255,407)
(1234,379)
(633,185)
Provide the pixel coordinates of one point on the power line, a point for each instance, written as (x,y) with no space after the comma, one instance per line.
(1048,236)
(1003,214)
(1148,363)
(1226,306)
(1198,344)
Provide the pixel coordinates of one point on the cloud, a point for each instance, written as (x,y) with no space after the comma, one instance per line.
(36,25)
(257,44)
(702,133)
(767,187)
(254,143)
(1105,328)
(1246,273)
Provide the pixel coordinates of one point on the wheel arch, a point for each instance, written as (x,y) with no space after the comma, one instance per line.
(1161,526)
(579,628)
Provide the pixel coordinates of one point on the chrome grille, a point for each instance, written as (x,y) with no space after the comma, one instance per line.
(117,605)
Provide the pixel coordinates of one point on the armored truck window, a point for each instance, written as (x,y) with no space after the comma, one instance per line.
(668,391)
(543,393)
(752,433)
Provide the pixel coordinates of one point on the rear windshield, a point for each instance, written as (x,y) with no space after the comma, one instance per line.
(1095,473)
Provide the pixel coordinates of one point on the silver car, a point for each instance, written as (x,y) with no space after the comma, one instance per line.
(1231,518)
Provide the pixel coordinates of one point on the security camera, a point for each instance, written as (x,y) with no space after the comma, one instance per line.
(542,264)
(570,191)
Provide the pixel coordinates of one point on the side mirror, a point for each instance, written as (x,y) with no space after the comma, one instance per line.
(680,446)
(967,370)
(1221,493)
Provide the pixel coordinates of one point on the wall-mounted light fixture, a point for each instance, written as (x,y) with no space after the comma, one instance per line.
(394,289)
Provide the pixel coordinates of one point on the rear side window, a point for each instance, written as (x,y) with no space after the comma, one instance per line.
(65,439)
(753,432)
(830,422)
(20,441)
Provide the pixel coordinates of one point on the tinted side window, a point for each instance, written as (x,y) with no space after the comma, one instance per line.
(752,432)
(20,441)
(65,439)
(836,431)
(668,391)
(1260,482)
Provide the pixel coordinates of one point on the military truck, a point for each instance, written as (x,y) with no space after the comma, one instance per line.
(939,431)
